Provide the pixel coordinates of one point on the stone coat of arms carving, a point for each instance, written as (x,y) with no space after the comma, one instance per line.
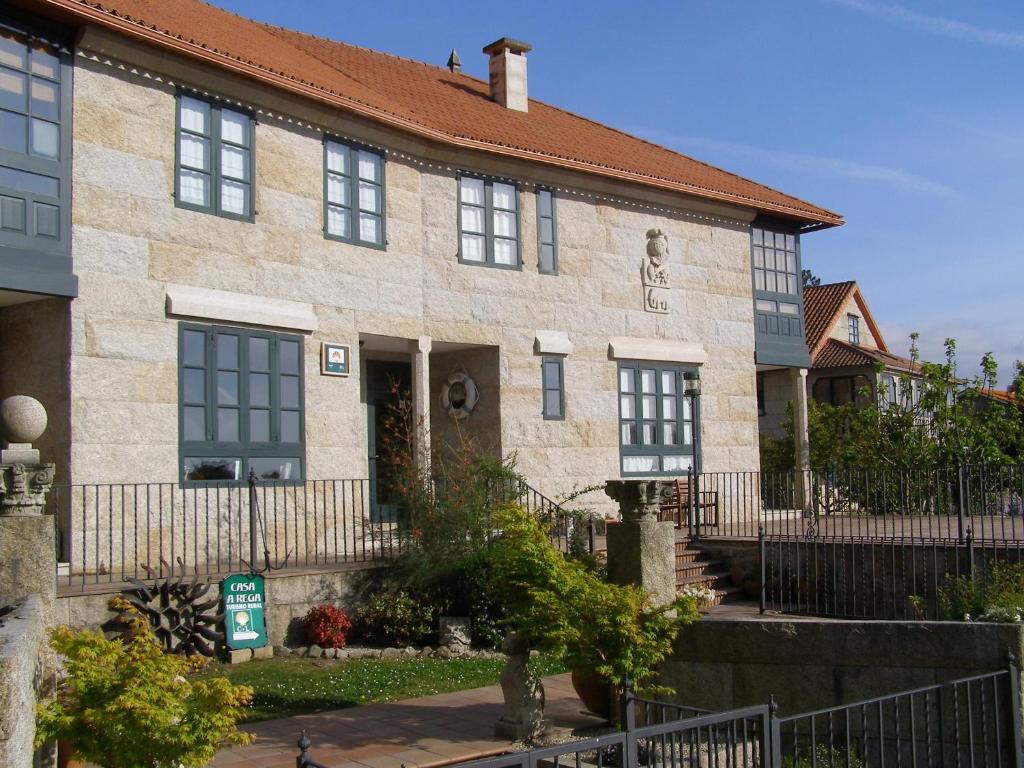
(654,273)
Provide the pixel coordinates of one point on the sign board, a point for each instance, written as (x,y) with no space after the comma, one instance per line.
(334,359)
(245,622)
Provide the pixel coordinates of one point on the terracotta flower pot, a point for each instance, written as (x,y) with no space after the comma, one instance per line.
(594,691)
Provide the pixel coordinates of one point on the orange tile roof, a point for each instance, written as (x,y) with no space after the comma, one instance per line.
(841,354)
(822,305)
(426,100)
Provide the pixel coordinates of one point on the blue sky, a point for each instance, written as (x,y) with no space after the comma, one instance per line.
(906,118)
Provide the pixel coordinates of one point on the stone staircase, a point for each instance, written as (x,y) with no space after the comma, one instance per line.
(695,566)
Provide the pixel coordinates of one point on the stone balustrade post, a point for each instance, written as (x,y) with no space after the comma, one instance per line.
(28,536)
(642,550)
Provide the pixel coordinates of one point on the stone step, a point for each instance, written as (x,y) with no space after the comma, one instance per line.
(725,595)
(699,568)
(717,580)
(692,555)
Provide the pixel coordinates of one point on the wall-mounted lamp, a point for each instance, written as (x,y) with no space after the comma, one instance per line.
(691,384)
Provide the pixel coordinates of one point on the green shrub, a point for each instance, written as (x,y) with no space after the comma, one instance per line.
(126,704)
(394,617)
(824,756)
(559,605)
(996,595)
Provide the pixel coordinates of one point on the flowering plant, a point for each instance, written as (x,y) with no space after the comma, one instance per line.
(327,626)
(702,594)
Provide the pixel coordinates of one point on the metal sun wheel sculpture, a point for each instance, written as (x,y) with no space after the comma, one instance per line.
(183,613)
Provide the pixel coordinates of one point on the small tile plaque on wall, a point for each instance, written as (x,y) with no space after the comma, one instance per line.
(334,359)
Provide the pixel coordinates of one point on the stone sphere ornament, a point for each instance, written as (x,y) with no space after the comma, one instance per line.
(22,419)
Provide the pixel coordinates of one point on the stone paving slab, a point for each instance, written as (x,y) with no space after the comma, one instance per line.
(426,731)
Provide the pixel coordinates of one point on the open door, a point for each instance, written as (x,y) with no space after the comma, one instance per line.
(386,382)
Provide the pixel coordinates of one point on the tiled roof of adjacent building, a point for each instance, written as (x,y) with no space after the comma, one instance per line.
(823,304)
(429,101)
(840,354)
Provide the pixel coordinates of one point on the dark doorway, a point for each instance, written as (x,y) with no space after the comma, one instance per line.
(386,384)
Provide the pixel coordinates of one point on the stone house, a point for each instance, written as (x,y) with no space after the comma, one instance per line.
(225,245)
(849,356)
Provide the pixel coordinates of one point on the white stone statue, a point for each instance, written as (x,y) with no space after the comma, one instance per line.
(654,273)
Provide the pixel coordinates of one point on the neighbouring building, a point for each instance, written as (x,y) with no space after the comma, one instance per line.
(849,357)
(223,244)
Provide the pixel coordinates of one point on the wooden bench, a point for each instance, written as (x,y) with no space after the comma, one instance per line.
(677,508)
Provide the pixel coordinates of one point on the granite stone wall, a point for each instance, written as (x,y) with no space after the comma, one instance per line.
(130,243)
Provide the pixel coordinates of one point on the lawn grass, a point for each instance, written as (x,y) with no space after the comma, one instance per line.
(288,686)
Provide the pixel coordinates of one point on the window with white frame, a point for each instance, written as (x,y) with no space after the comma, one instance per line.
(214,158)
(657,420)
(353,194)
(853,327)
(488,222)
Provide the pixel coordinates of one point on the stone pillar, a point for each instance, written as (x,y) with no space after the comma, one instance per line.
(801,439)
(419,350)
(642,550)
(28,536)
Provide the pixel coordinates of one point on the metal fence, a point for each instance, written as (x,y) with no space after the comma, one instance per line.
(932,504)
(872,578)
(972,721)
(113,533)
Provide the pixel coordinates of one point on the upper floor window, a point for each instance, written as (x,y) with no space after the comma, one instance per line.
(34,143)
(215,165)
(488,222)
(853,326)
(775,262)
(240,405)
(657,419)
(547,250)
(353,194)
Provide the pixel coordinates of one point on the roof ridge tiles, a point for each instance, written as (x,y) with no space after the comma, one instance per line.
(652,162)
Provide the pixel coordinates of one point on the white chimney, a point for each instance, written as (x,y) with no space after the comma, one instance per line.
(508,73)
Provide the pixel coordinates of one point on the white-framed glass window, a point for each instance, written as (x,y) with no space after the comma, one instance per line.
(658,421)
(488,222)
(353,194)
(547,247)
(853,327)
(214,158)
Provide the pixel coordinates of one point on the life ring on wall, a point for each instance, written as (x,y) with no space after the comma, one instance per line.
(459,396)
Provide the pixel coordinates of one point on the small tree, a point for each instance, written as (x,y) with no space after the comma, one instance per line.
(127,704)
(559,605)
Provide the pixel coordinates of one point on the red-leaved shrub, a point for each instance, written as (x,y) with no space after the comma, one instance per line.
(327,626)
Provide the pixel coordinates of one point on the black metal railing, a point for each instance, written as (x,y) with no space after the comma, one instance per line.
(909,504)
(111,533)
(971,721)
(872,578)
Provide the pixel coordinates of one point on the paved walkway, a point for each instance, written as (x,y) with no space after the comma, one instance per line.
(420,732)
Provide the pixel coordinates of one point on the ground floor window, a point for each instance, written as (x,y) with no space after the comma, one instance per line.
(839,390)
(241,396)
(658,421)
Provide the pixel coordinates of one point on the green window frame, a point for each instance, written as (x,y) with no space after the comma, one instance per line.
(853,326)
(658,421)
(241,404)
(776,261)
(354,194)
(215,160)
(488,216)
(35,155)
(547,244)
(553,386)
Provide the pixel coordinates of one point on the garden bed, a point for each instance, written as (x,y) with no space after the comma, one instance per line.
(292,686)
